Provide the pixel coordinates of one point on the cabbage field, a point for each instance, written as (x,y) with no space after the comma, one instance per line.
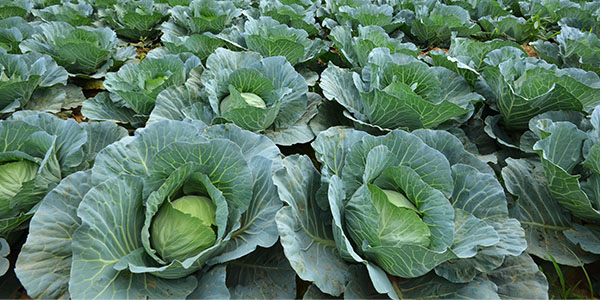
(299,149)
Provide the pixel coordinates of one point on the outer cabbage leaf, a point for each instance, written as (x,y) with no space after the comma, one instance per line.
(265,274)
(179,103)
(312,248)
(4,252)
(517,277)
(201,45)
(103,107)
(587,237)
(211,284)
(561,149)
(100,135)
(44,263)
(56,99)
(452,147)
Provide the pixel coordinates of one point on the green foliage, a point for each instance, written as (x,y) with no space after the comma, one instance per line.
(314,149)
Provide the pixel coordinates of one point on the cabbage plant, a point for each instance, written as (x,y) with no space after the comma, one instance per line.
(523,87)
(202,16)
(571,161)
(83,51)
(353,13)
(22,74)
(134,88)
(135,20)
(139,84)
(299,14)
(433,23)
(38,150)
(482,8)
(467,56)
(515,28)
(174,200)
(396,90)
(76,14)
(193,27)
(271,38)
(260,94)
(408,209)
(263,95)
(356,49)
(15,8)
(573,49)
(555,14)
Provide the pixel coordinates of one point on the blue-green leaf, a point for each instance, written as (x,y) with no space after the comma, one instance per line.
(44,263)
(305,232)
